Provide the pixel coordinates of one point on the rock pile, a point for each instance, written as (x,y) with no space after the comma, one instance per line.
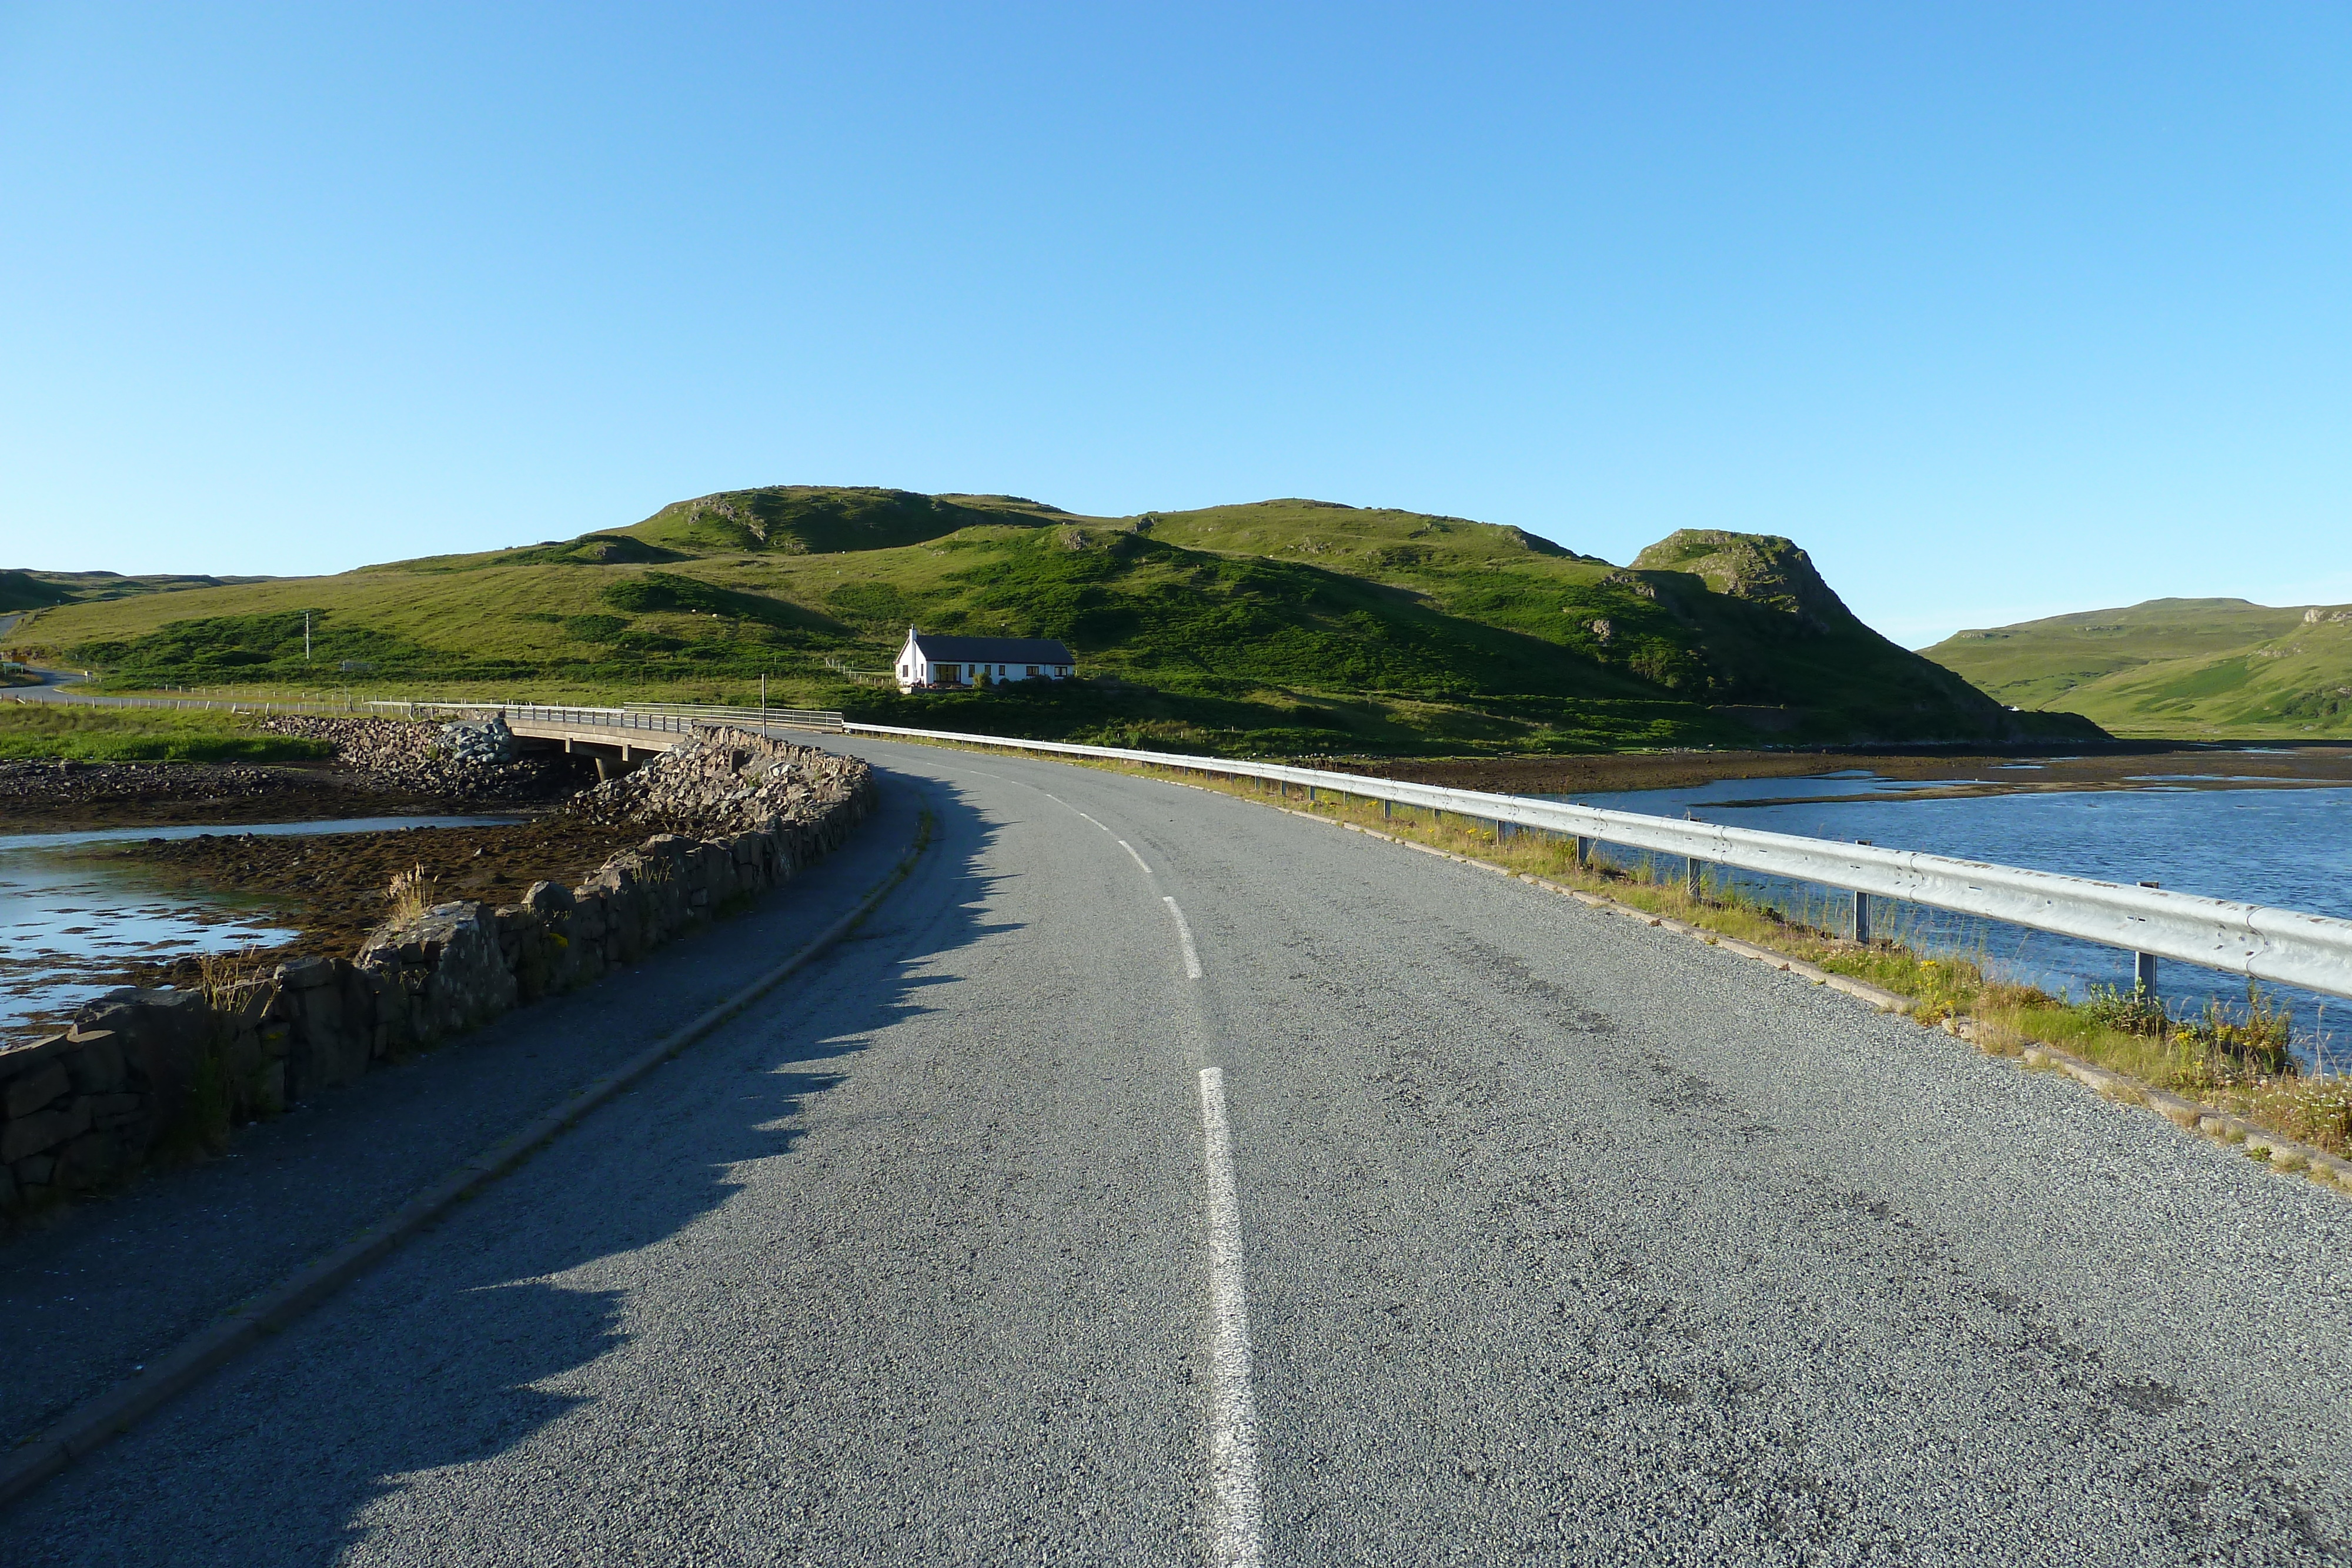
(488,744)
(164,1071)
(463,761)
(721,781)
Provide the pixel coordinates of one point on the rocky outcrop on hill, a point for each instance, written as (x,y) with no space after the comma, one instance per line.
(721,781)
(469,761)
(1762,568)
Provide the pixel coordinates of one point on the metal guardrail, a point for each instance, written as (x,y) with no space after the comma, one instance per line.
(2282,945)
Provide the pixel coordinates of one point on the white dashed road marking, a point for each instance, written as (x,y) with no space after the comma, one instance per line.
(1236,1519)
(1184,936)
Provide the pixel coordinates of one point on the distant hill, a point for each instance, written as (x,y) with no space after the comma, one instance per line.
(1289,625)
(2191,668)
(22,590)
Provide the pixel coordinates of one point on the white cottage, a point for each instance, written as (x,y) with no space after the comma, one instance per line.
(928,660)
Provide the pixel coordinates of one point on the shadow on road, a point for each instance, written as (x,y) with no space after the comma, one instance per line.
(281,1459)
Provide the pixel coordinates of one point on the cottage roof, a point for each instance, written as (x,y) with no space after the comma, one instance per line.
(992,649)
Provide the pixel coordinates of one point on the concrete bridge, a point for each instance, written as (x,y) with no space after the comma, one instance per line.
(620,738)
(617,749)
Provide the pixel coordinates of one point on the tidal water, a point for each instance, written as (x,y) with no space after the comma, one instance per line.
(70,923)
(2286,847)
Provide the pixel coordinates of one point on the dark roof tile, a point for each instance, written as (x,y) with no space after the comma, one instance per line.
(992,649)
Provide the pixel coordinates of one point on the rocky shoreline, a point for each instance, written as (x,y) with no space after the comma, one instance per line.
(163,1072)
(337,885)
(382,767)
(333,888)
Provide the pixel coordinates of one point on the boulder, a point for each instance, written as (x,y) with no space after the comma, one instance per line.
(165,1035)
(34,1091)
(462,979)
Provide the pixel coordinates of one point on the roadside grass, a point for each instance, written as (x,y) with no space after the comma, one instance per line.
(56,731)
(411,895)
(2232,1059)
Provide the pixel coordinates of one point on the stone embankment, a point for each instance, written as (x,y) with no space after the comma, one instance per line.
(715,783)
(164,1073)
(472,761)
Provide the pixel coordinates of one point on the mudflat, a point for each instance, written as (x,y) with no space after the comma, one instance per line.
(336,886)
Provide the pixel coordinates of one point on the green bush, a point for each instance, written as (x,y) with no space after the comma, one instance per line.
(2127,1012)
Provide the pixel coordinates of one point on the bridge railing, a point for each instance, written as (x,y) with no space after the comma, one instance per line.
(667,718)
(2282,945)
(713,713)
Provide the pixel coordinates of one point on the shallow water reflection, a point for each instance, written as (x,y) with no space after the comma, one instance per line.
(71,923)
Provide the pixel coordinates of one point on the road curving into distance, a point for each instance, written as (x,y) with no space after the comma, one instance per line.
(1162,1178)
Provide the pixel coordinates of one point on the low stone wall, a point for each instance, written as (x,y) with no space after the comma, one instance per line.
(149,1074)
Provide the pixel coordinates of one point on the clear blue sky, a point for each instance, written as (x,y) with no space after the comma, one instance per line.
(2001,311)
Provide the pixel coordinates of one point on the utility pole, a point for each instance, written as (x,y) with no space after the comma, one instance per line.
(306,636)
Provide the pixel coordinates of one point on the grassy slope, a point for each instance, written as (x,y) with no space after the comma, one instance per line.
(143,735)
(2186,667)
(1283,626)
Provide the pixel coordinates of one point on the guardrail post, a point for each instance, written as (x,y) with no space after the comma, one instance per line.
(2143,964)
(1693,869)
(1583,852)
(1862,911)
(1384,810)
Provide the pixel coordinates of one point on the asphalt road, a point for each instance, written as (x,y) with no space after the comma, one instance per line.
(127,1277)
(1496,1230)
(56,686)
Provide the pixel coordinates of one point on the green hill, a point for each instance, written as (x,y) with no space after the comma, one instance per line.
(23,590)
(1289,626)
(2180,668)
